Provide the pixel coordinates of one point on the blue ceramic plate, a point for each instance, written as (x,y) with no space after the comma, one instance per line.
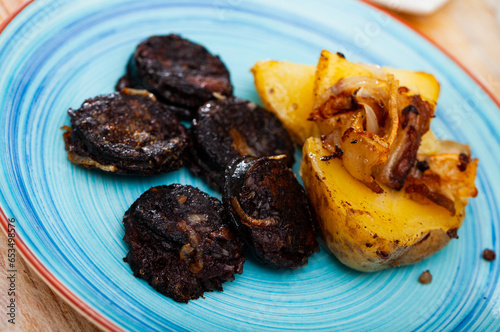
(57,53)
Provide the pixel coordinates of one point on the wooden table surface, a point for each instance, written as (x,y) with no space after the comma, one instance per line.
(468,29)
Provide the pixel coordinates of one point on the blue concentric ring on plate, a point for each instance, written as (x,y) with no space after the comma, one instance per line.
(57,53)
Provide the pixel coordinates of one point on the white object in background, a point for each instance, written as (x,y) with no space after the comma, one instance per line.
(495,4)
(419,7)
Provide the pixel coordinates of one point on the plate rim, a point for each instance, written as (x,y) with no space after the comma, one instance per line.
(84,308)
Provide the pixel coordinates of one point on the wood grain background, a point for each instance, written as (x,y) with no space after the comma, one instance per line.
(468,29)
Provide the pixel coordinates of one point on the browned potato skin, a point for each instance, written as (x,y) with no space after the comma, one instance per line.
(365,238)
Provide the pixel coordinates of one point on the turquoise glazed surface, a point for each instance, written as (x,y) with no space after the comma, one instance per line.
(57,53)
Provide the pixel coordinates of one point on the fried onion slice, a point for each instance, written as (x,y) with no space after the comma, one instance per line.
(359,115)
(381,131)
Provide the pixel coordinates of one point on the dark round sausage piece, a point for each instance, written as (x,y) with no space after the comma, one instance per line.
(271,211)
(126,133)
(229,128)
(178,71)
(180,242)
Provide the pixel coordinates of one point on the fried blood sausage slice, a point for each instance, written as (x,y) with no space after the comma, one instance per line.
(126,133)
(180,242)
(230,128)
(271,211)
(128,81)
(178,71)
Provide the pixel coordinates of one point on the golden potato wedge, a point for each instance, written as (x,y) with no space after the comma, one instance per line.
(420,83)
(289,89)
(368,231)
(332,67)
(286,89)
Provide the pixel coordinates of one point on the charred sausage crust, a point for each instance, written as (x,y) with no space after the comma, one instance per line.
(178,71)
(126,133)
(271,211)
(180,242)
(230,128)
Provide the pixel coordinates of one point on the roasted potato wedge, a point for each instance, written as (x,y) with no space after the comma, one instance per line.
(289,89)
(420,83)
(333,66)
(286,89)
(366,228)
(368,231)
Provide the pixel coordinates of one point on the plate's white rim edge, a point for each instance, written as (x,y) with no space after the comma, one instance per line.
(428,7)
